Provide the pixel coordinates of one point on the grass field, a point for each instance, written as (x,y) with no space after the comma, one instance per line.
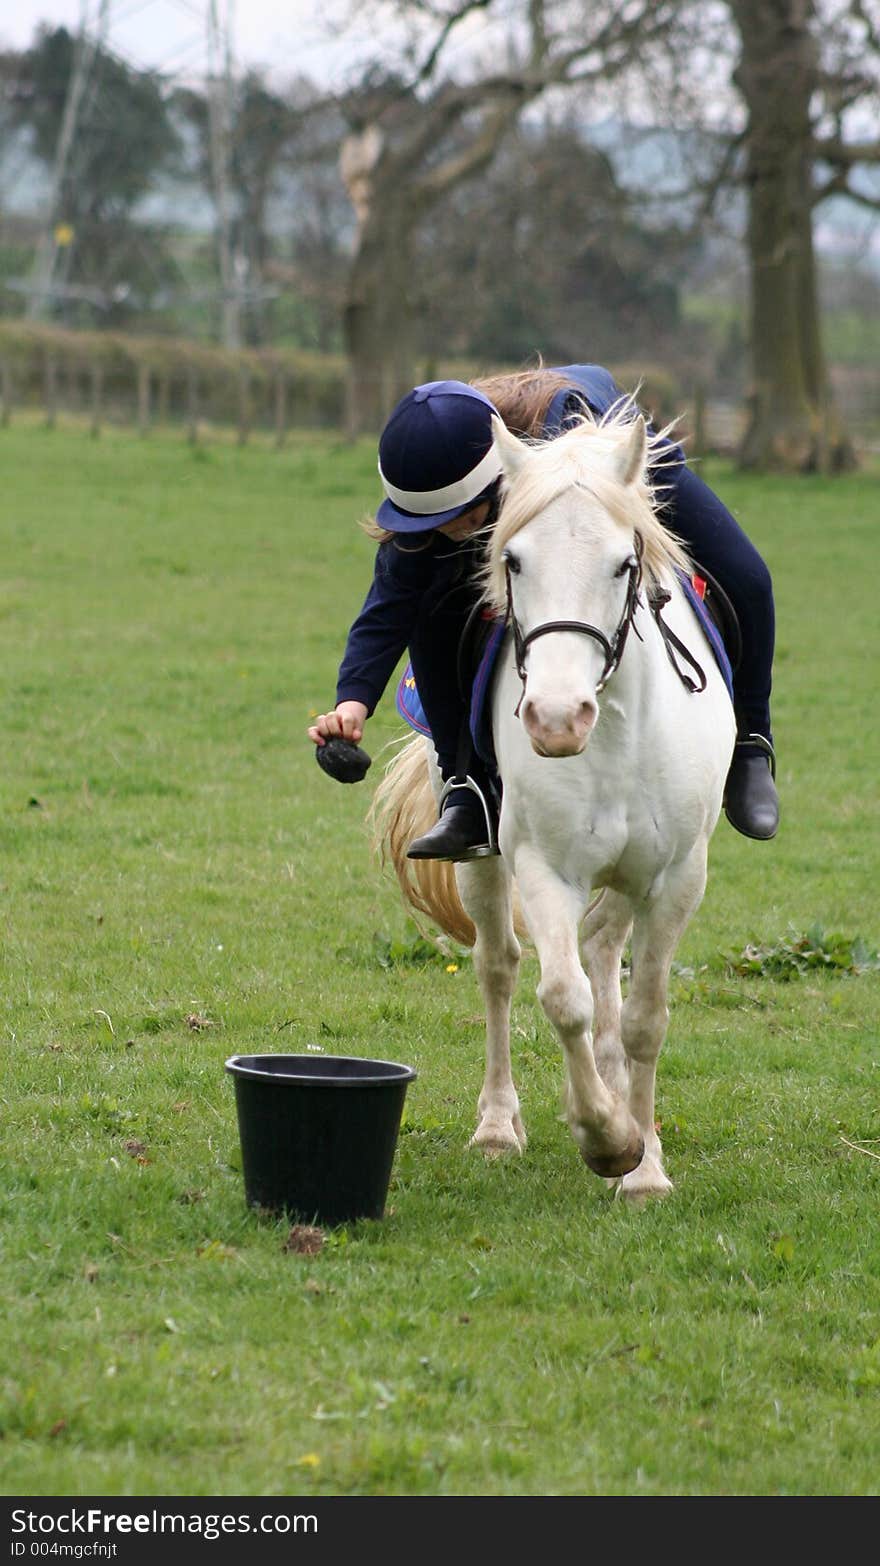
(180,883)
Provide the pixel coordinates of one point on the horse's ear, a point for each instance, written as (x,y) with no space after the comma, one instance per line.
(513,452)
(633,453)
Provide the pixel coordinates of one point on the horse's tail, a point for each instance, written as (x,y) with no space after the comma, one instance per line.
(404,806)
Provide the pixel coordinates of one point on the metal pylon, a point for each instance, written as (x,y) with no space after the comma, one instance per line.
(88,41)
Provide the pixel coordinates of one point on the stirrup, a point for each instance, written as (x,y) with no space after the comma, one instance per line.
(468,783)
(759,742)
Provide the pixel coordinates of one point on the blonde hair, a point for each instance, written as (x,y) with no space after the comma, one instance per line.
(523,397)
(384,535)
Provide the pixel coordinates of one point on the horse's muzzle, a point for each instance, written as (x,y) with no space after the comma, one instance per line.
(557,730)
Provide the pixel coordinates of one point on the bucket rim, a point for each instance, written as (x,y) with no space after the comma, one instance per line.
(394,1072)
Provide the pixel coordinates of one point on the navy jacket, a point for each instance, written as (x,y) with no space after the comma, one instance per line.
(407,587)
(410,587)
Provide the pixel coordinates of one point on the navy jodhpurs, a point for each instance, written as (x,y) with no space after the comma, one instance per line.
(715,540)
(433,651)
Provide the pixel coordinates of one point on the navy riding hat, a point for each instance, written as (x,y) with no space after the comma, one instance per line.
(437,456)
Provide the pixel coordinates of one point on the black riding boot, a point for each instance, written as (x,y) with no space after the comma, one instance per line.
(751,802)
(464,831)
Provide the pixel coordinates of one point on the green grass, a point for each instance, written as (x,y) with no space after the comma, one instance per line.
(169,620)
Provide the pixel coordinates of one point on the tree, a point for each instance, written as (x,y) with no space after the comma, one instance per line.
(265,138)
(806,73)
(799,78)
(123,138)
(582,275)
(414,139)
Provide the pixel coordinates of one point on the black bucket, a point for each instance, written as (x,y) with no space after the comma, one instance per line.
(318,1132)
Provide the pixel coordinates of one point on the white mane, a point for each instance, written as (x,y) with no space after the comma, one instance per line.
(579,459)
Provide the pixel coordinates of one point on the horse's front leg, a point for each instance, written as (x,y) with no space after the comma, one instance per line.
(604,931)
(485,890)
(607,1137)
(657,930)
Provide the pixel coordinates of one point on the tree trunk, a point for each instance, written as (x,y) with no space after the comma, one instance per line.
(791,422)
(379,319)
(378,315)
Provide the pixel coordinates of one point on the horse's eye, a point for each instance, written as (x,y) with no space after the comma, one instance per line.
(629,564)
(512,563)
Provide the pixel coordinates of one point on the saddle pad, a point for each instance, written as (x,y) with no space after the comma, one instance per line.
(411,710)
(409,703)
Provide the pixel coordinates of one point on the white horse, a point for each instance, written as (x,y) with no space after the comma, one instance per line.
(613,767)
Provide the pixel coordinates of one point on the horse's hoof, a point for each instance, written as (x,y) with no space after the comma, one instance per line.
(646,1184)
(495,1143)
(493,1150)
(612,1166)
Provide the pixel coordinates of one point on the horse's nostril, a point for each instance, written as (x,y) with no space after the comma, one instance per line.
(542,719)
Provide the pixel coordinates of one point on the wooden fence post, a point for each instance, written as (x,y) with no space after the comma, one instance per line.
(699,440)
(143,399)
(244,410)
(96,382)
(50,390)
(280,409)
(8,393)
(192,406)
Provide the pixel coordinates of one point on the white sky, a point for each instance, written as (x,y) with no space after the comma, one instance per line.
(324,40)
(285,37)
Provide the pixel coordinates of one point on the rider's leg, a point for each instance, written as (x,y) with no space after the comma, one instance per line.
(716,541)
(466,827)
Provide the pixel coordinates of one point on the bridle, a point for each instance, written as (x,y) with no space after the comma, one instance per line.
(612,649)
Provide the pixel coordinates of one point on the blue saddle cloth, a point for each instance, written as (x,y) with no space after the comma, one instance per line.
(411,710)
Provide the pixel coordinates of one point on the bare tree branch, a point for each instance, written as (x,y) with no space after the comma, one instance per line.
(845,153)
(840,186)
(479,153)
(870,23)
(429,64)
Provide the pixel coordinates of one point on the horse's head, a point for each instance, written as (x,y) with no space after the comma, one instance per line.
(566,558)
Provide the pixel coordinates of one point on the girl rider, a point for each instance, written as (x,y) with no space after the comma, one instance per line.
(440,473)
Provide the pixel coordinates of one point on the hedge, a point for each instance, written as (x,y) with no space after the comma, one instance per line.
(131,379)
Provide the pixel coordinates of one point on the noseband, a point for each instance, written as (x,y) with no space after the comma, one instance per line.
(612,649)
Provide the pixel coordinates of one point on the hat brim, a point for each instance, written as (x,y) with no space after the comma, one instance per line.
(394,520)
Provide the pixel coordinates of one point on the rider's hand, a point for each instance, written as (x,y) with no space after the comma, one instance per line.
(347,720)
